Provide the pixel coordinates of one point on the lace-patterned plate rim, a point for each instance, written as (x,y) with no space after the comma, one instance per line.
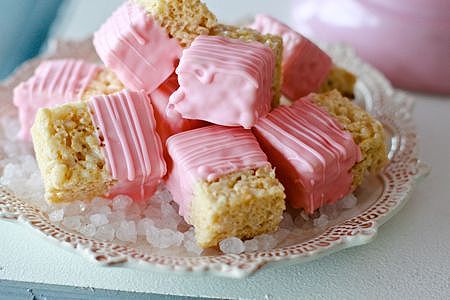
(390,106)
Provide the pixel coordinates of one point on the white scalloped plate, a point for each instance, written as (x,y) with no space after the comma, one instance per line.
(379,198)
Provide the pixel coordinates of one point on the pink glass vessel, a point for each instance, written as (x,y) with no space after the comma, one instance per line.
(408,40)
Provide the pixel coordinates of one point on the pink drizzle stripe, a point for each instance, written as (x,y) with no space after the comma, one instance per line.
(54,82)
(312,153)
(132,148)
(209,153)
(140,52)
(216,70)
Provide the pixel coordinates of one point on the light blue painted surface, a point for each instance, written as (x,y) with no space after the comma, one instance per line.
(13,290)
(24,25)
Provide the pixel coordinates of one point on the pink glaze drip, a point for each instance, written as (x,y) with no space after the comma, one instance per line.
(172,123)
(312,154)
(132,148)
(54,82)
(208,153)
(140,51)
(224,81)
(305,66)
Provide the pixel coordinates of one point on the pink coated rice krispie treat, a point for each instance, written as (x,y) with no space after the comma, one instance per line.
(105,146)
(140,52)
(224,184)
(305,65)
(56,82)
(224,81)
(311,151)
(143,39)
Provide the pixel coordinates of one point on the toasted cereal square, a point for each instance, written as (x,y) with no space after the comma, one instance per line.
(104,83)
(340,79)
(182,19)
(68,153)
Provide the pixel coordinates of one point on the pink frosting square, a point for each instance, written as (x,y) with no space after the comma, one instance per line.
(305,65)
(313,156)
(132,148)
(208,153)
(224,81)
(53,82)
(137,48)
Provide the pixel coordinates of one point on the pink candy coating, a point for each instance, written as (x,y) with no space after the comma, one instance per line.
(137,48)
(224,81)
(133,152)
(208,153)
(312,154)
(54,82)
(171,123)
(305,66)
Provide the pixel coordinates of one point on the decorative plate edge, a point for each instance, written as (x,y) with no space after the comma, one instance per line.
(355,231)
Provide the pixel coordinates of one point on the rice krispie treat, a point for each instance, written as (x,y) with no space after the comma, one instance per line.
(249,35)
(106,146)
(59,81)
(367,132)
(104,83)
(340,79)
(306,68)
(224,81)
(321,146)
(182,19)
(142,41)
(224,184)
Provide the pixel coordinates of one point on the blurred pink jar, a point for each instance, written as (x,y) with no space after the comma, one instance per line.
(408,40)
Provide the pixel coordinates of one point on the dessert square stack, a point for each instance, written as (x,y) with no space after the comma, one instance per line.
(193,104)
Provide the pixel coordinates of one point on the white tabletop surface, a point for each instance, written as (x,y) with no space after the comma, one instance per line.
(410,259)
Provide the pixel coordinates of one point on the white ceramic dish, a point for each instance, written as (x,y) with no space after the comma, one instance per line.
(379,198)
